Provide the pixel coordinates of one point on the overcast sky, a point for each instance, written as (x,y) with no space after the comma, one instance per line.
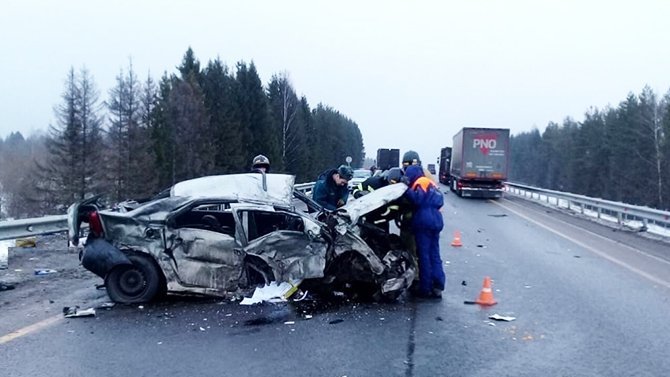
(410,73)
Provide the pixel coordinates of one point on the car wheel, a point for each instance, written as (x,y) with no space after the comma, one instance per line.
(131,284)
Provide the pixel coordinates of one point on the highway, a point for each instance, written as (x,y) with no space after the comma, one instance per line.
(588,300)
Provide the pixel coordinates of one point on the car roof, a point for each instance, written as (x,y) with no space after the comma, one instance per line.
(276,189)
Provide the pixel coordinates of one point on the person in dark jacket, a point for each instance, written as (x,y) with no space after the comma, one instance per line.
(330,189)
(382,216)
(427,223)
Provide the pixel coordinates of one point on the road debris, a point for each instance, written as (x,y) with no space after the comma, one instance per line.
(6,287)
(338,320)
(45,271)
(498,317)
(26,242)
(273,292)
(74,311)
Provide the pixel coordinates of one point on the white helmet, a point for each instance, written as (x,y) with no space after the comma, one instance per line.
(260,161)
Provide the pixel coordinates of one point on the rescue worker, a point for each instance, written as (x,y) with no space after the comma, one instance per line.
(382,216)
(330,189)
(410,158)
(260,164)
(427,223)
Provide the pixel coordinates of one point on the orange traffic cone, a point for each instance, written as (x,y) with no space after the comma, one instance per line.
(486,295)
(457,239)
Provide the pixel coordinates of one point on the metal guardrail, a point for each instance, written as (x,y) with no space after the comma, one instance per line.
(620,211)
(32,227)
(55,224)
(304,187)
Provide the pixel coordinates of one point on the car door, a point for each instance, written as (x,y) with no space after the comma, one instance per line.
(203,254)
(290,244)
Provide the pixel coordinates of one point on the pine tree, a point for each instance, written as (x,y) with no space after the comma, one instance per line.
(224,125)
(125,137)
(73,168)
(258,137)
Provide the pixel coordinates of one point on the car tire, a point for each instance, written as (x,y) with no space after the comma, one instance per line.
(130,284)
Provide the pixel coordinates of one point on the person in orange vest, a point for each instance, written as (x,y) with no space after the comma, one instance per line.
(427,223)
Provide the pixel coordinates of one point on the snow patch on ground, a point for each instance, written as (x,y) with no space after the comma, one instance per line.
(4,252)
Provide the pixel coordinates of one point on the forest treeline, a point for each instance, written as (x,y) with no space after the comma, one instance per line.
(145,135)
(617,153)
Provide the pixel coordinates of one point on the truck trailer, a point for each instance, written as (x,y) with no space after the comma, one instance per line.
(445,165)
(388,158)
(479,162)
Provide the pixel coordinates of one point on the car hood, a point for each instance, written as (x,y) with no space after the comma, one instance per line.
(354,209)
(269,188)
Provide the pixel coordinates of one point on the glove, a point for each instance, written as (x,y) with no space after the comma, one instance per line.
(359,193)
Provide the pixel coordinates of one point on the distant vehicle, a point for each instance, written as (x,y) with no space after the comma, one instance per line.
(360,175)
(388,158)
(445,165)
(431,168)
(479,162)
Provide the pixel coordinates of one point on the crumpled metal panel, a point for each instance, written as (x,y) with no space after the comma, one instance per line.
(351,242)
(208,259)
(354,209)
(243,187)
(291,255)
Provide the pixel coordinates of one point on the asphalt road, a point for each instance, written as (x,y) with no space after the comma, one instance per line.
(588,301)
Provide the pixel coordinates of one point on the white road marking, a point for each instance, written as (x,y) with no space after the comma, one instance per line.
(592,249)
(30,329)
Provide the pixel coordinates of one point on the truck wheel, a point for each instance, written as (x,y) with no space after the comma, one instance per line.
(136,283)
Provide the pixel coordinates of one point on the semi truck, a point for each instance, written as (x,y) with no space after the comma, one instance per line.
(445,165)
(479,162)
(388,158)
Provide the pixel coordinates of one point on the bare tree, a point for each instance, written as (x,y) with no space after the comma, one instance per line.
(284,105)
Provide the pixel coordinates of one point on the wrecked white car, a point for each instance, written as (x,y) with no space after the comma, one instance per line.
(226,235)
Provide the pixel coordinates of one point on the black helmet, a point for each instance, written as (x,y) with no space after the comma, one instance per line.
(393,175)
(260,161)
(411,158)
(345,172)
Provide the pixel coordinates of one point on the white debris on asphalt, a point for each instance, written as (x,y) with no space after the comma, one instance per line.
(273,292)
(74,312)
(499,317)
(289,323)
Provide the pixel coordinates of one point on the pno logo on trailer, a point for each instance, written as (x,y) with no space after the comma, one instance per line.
(485,142)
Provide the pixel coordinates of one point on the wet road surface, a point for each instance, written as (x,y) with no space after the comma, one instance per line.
(584,304)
